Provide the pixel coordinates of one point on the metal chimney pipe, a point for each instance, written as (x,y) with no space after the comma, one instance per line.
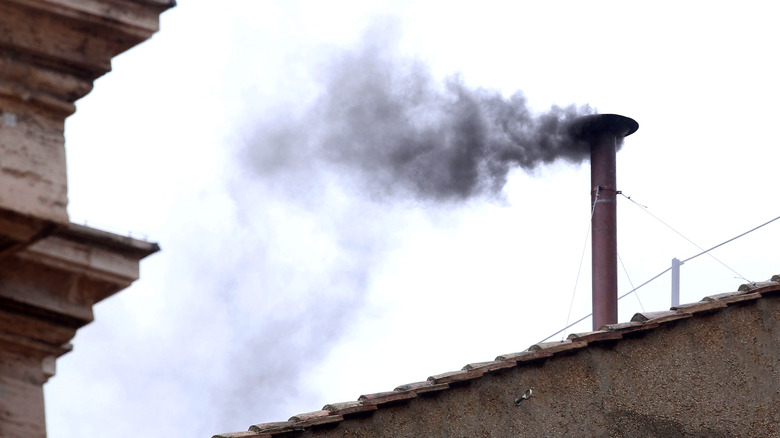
(604,133)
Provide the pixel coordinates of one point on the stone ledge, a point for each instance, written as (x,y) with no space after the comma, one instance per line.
(66,44)
(62,275)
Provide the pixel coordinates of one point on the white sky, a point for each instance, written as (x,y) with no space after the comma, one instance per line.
(269,300)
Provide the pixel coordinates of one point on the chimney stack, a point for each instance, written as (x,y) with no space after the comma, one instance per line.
(604,133)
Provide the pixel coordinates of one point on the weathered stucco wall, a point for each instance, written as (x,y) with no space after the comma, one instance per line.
(711,375)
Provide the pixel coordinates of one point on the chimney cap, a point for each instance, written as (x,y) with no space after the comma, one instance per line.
(588,126)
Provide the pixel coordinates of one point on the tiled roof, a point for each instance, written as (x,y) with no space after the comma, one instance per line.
(640,323)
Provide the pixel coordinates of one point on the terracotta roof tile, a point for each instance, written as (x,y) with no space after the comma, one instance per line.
(596,337)
(383,398)
(272,427)
(556,347)
(742,297)
(769,290)
(760,285)
(349,408)
(423,387)
(456,376)
(629,328)
(316,418)
(526,356)
(660,317)
(622,325)
(309,415)
(701,307)
(241,435)
(492,366)
(640,322)
(334,407)
(475,365)
(721,296)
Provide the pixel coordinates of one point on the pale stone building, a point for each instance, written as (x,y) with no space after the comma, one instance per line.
(52,271)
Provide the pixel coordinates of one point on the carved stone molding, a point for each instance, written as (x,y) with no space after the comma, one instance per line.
(47,290)
(51,51)
(51,271)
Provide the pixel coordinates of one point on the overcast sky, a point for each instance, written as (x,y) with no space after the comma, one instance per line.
(303,262)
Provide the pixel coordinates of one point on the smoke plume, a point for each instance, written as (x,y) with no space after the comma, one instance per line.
(384,120)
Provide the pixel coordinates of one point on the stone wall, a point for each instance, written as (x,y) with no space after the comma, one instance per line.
(51,271)
(32,170)
(50,53)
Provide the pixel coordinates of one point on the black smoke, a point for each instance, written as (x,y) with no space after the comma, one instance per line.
(383,120)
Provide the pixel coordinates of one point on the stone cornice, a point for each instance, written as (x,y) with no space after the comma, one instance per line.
(52,50)
(61,275)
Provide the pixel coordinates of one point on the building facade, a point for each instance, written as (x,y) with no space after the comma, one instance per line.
(52,271)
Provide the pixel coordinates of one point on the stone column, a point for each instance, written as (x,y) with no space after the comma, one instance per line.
(51,271)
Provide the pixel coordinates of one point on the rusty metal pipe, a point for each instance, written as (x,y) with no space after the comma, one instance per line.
(604,133)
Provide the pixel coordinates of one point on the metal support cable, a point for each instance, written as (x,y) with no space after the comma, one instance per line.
(579,269)
(733,238)
(591,314)
(645,209)
(660,273)
(625,271)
